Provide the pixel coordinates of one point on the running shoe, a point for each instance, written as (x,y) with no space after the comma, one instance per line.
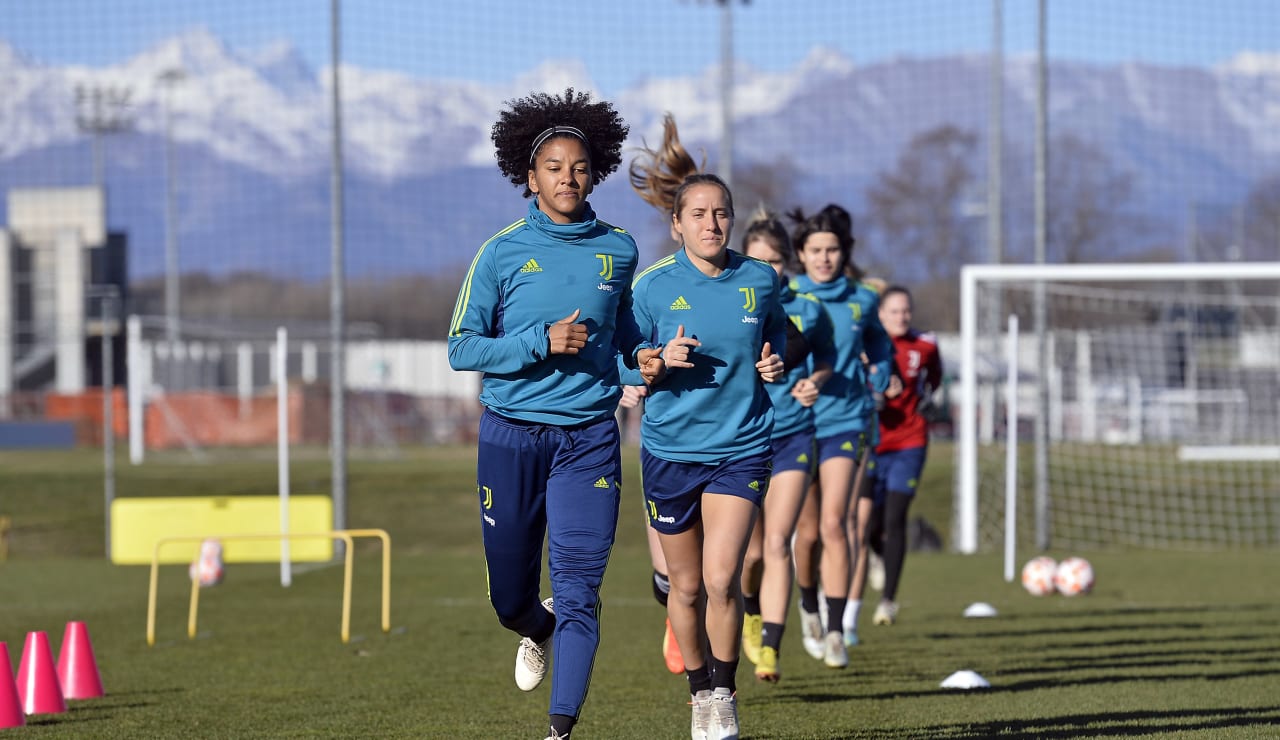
(835,655)
(531,658)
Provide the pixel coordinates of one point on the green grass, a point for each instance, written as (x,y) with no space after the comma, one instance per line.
(1179,645)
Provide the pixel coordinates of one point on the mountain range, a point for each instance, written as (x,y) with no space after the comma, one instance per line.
(251,136)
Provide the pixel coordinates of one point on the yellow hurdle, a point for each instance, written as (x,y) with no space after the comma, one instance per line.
(346,535)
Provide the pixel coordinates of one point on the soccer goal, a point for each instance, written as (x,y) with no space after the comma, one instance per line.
(1149,414)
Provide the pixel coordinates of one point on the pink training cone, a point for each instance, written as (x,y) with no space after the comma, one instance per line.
(10,704)
(77,669)
(38,685)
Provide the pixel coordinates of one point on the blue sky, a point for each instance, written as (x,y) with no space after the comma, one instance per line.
(495,40)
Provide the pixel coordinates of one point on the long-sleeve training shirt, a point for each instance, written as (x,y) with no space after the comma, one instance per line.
(718,409)
(809,316)
(845,403)
(526,277)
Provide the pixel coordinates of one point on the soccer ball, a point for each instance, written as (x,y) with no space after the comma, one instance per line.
(1038,575)
(1074,576)
(207,569)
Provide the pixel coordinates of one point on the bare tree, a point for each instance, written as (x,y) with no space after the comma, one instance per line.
(918,208)
(1262,219)
(1087,199)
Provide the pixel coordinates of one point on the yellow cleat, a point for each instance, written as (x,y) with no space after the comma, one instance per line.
(752,624)
(767,666)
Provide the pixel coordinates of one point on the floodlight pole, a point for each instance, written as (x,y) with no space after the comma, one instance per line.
(337,281)
(995,156)
(109,296)
(1039,313)
(172,331)
(726,92)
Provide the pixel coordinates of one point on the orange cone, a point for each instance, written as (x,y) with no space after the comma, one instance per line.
(77,669)
(10,704)
(38,685)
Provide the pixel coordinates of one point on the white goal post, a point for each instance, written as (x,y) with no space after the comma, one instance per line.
(1100,311)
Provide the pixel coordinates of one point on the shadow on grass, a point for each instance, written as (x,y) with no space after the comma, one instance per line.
(1084,629)
(1057,683)
(1154,611)
(1113,724)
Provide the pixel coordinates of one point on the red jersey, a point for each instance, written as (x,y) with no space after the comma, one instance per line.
(917,362)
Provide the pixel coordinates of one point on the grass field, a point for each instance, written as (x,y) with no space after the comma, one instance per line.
(1178,645)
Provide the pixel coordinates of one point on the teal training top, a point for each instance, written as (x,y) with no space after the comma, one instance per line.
(525,278)
(845,403)
(809,316)
(718,409)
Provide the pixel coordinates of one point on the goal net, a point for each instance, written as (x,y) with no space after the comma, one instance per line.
(1148,417)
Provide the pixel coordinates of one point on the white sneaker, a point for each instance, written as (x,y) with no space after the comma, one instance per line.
(886,613)
(703,716)
(811,628)
(875,571)
(835,654)
(724,708)
(531,658)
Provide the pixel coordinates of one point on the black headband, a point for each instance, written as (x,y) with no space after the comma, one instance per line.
(542,138)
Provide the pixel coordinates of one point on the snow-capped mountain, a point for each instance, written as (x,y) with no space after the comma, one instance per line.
(252,135)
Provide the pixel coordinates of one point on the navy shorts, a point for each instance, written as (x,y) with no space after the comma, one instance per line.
(673,490)
(897,471)
(847,444)
(795,452)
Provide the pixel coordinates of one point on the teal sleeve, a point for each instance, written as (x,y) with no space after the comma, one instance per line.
(628,375)
(775,328)
(822,340)
(472,341)
(879,348)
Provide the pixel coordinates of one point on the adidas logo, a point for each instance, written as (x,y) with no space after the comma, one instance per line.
(531,266)
(681,304)
(602,483)
(804,457)
(754,485)
(847,447)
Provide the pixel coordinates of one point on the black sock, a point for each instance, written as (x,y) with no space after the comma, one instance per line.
(771,635)
(699,679)
(752,604)
(661,587)
(809,598)
(835,613)
(562,725)
(724,674)
(548,628)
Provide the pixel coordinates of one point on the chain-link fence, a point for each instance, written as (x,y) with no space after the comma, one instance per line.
(209,129)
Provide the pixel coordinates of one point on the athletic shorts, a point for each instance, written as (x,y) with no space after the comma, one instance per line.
(795,452)
(673,490)
(848,445)
(897,471)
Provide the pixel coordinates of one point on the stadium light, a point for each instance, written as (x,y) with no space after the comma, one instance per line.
(102,110)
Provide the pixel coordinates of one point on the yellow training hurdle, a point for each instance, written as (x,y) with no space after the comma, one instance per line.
(346,535)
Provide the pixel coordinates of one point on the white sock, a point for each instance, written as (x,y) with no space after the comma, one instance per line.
(851,611)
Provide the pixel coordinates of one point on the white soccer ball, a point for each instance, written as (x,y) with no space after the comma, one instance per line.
(208,569)
(1074,576)
(1038,575)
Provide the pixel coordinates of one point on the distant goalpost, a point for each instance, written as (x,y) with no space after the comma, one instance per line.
(1157,388)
